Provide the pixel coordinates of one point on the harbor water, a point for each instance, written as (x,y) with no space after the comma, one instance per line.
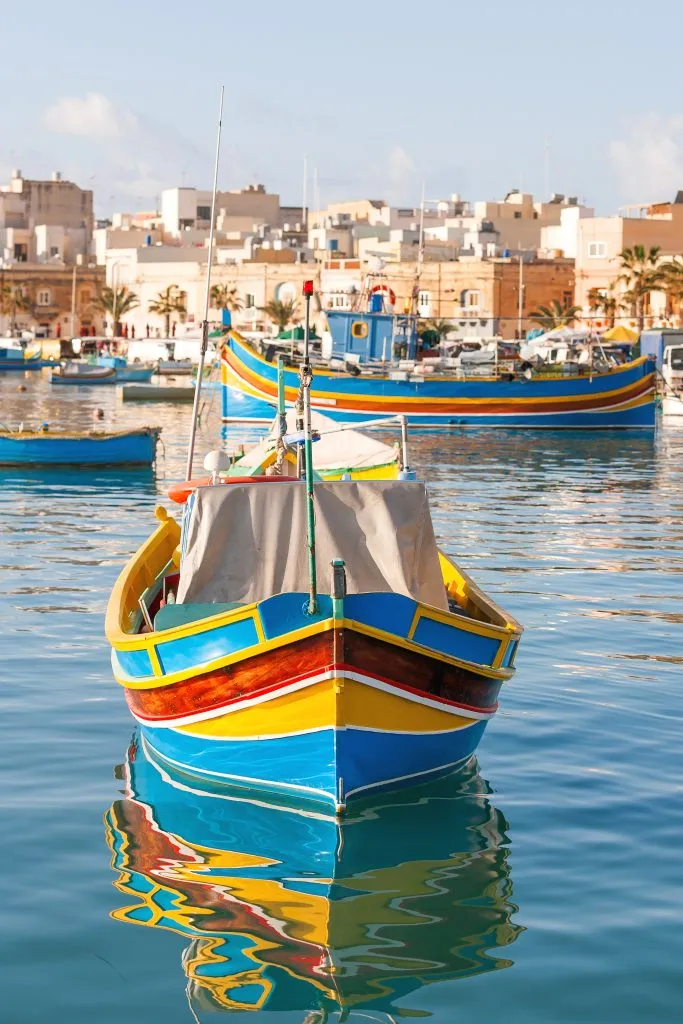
(542,884)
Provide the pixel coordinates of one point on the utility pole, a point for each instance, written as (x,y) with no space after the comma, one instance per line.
(73,303)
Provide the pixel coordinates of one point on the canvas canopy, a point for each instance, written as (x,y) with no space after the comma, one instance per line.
(247,542)
(336,449)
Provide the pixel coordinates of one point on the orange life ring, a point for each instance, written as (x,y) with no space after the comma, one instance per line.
(385,288)
(180,492)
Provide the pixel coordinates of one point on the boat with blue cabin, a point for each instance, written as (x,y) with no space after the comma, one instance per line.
(377,366)
(15,356)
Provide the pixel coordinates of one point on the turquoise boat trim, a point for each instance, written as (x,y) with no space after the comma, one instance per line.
(458,643)
(286,613)
(392,613)
(209,645)
(134,664)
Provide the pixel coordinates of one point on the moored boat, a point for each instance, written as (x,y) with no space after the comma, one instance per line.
(14,356)
(672,403)
(390,677)
(63,448)
(83,373)
(126,372)
(621,396)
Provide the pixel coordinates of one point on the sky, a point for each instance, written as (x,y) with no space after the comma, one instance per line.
(475,98)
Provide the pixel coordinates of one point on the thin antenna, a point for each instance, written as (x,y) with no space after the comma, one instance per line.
(205,324)
(304,192)
(420,252)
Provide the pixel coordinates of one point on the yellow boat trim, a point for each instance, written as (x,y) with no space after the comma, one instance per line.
(335,702)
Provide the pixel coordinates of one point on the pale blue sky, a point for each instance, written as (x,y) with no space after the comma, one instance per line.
(381,95)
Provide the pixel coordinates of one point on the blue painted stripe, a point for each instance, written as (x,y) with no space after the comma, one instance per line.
(285,613)
(458,643)
(201,648)
(510,653)
(392,613)
(134,664)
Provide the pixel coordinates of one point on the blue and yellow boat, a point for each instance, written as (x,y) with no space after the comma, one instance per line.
(390,679)
(619,397)
(291,912)
(64,448)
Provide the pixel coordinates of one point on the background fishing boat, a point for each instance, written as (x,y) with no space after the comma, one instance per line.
(15,356)
(83,373)
(126,372)
(126,447)
(290,912)
(621,396)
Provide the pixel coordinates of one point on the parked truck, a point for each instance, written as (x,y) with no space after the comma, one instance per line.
(665,346)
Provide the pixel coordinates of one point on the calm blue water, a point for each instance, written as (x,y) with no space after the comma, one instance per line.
(546,887)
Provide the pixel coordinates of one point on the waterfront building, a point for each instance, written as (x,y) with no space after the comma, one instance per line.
(56,300)
(44,221)
(600,240)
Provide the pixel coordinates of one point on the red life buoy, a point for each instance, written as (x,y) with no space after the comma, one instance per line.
(180,492)
(385,288)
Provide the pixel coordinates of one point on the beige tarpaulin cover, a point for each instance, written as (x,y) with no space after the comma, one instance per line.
(336,449)
(247,542)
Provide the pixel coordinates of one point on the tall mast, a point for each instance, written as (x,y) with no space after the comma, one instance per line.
(205,324)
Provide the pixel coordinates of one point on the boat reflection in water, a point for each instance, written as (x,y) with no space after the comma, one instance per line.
(293,911)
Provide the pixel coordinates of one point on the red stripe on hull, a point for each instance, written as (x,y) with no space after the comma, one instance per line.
(343,648)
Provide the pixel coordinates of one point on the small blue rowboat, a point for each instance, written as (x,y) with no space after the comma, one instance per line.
(13,357)
(127,447)
(126,373)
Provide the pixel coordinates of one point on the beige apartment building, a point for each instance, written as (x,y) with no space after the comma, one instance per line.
(600,240)
(44,221)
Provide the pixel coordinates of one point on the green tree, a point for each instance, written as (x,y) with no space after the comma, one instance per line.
(642,274)
(13,301)
(557,314)
(281,313)
(440,327)
(115,303)
(168,303)
(226,296)
(606,301)
(672,285)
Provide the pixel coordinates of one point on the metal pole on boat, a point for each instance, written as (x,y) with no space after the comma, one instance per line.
(306,375)
(281,414)
(205,324)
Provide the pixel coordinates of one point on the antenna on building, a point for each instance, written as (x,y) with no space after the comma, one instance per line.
(205,324)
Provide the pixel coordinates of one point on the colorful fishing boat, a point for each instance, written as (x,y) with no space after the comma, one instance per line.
(63,448)
(617,397)
(387,676)
(283,911)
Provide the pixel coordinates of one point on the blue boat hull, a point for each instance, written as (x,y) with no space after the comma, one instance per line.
(237,406)
(130,449)
(317,766)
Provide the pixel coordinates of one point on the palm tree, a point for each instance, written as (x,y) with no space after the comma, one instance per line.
(168,302)
(13,301)
(226,296)
(642,274)
(605,300)
(557,314)
(672,284)
(116,302)
(440,327)
(280,312)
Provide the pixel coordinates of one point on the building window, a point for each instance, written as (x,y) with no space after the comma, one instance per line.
(597,250)
(518,214)
(424,302)
(249,301)
(54,251)
(203,213)
(470,298)
(44,297)
(568,298)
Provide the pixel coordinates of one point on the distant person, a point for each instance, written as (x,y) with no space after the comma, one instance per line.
(147,329)
(132,331)
(173,329)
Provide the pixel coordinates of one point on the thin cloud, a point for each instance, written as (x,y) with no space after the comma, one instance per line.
(648,162)
(91,116)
